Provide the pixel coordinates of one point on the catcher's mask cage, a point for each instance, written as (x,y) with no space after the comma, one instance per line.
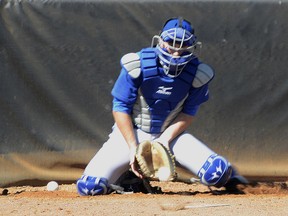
(179,35)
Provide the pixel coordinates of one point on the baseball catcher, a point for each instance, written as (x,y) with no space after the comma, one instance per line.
(155,99)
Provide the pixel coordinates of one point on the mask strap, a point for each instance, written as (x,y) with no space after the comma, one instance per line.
(180,21)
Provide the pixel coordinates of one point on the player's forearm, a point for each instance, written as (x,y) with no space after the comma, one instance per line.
(125,125)
(179,125)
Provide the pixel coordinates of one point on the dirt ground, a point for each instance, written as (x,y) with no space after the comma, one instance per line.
(179,198)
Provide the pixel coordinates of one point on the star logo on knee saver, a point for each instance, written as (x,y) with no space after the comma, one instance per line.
(214,171)
(218,170)
(85,191)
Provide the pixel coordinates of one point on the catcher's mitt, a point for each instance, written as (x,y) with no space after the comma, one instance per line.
(155,161)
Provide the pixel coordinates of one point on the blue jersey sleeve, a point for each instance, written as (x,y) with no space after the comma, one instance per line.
(196,97)
(120,106)
(125,92)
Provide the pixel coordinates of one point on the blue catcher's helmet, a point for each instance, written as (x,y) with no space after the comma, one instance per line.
(177,36)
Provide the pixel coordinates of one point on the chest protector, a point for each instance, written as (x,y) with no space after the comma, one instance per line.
(160,98)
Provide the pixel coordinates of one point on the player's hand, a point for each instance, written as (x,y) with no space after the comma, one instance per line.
(133,163)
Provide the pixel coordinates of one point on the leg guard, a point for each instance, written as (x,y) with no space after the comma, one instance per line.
(216,171)
(88,185)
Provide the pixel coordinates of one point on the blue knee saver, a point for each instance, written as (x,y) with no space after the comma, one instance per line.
(216,171)
(89,185)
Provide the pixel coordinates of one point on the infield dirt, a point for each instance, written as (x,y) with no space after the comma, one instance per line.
(178,199)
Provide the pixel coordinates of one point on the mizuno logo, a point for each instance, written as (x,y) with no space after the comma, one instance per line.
(164,90)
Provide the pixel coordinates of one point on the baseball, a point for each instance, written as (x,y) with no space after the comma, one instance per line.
(52,186)
(163,174)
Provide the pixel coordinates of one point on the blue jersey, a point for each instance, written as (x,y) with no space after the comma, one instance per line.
(154,99)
